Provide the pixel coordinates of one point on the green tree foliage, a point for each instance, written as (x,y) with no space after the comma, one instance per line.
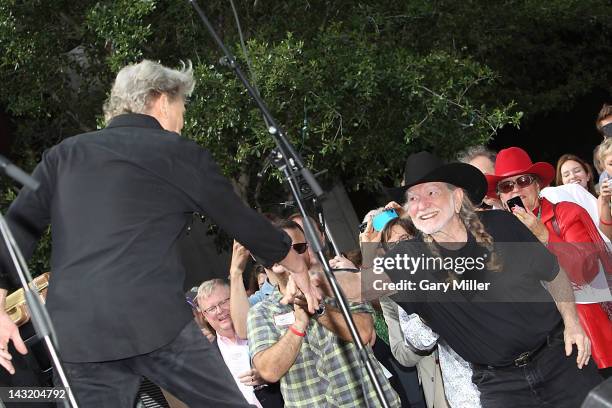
(546,53)
(364,108)
(356,85)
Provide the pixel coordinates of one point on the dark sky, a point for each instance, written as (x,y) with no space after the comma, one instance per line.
(547,137)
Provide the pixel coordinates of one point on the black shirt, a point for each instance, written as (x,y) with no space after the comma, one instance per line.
(117,201)
(494,326)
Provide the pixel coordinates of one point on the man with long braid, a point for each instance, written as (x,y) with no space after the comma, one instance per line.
(496,314)
(493,292)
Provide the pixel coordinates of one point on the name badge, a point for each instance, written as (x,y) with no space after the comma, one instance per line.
(286,319)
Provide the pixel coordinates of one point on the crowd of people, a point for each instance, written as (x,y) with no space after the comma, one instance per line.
(571,220)
(539,335)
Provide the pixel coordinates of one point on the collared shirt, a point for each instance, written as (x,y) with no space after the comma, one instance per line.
(236,356)
(327,371)
(266,290)
(118,200)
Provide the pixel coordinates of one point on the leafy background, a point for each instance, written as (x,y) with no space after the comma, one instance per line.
(357,85)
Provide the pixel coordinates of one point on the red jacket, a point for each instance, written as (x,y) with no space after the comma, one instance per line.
(575,240)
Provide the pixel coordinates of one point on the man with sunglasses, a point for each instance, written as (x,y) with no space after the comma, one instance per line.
(314,261)
(312,355)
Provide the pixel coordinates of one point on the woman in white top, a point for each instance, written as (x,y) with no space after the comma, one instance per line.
(572,169)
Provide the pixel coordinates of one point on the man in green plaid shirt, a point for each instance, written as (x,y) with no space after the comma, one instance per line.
(313,356)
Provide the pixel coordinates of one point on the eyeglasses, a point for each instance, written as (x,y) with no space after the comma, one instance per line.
(522,182)
(213,309)
(362,227)
(300,248)
(389,245)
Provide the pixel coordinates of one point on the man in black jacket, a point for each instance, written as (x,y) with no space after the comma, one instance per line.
(117,201)
(478,285)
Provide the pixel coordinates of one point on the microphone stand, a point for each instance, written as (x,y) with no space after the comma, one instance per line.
(321,219)
(38,313)
(290,164)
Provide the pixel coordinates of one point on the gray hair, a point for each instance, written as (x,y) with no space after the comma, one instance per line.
(472,152)
(137,84)
(207,288)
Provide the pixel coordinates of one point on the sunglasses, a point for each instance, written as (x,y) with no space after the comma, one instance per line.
(522,182)
(300,248)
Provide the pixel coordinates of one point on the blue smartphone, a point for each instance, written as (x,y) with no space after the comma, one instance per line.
(382,219)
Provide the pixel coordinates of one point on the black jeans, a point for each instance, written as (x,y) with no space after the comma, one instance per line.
(189,367)
(550,380)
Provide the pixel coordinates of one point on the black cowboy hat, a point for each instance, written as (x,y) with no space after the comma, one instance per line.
(424,167)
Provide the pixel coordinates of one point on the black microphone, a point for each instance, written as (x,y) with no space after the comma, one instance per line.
(17,174)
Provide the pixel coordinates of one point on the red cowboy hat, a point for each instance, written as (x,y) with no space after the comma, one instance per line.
(514,161)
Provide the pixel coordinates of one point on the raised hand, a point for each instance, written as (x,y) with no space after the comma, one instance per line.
(298,271)
(535,225)
(340,262)
(240,256)
(251,378)
(9,331)
(370,234)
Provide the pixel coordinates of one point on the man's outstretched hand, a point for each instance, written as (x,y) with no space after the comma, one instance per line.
(299,282)
(9,331)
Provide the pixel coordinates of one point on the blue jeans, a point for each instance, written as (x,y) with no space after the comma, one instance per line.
(550,380)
